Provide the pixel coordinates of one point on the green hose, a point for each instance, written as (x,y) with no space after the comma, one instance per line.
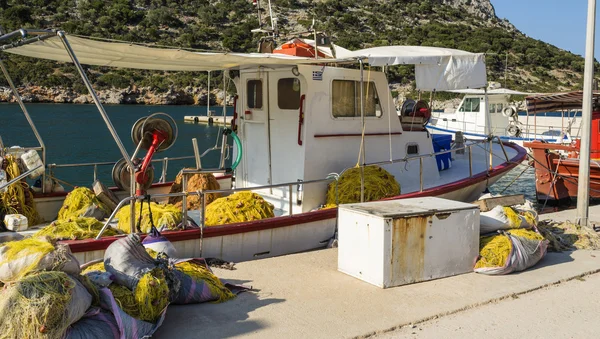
(238,143)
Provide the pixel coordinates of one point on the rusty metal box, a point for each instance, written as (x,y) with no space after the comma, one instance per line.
(399,242)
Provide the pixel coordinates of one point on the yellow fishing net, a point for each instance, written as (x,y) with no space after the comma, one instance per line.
(36,306)
(196,182)
(163,215)
(77,202)
(379,184)
(494,250)
(150,298)
(238,207)
(567,236)
(94,267)
(33,248)
(17,198)
(200,273)
(78,228)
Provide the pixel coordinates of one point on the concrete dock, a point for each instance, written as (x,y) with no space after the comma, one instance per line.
(304,296)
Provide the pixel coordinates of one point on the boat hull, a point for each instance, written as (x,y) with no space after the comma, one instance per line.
(556,178)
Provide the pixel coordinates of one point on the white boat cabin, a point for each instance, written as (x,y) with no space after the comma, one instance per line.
(304,122)
(481,114)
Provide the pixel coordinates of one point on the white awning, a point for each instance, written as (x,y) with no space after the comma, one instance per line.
(120,54)
(439,69)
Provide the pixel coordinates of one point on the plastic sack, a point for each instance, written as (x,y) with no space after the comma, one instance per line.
(17,258)
(127,260)
(524,253)
(159,243)
(95,324)
(129,327)
(42,305)
(504,218)
(199,284)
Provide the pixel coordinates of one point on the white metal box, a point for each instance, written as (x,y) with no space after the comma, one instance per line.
(399,242)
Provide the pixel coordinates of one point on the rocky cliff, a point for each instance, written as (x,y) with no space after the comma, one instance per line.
(127,96)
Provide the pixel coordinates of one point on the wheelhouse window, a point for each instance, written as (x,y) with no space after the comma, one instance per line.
(499,108)
(255,93)
(470,105)
(345,95)
(492,108)
(412,149)
(288,93)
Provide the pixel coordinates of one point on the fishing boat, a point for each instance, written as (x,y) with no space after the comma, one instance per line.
(489,112)
(557,166)
(301,121)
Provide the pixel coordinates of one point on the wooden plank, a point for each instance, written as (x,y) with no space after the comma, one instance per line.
(505,200)
(105,195)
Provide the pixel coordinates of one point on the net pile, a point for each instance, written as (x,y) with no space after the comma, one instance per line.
(17,198)
(42,305)
(80,202)
(238,207)
(196,182)
(378,184)
(165,217)
(567,236)
(75,229)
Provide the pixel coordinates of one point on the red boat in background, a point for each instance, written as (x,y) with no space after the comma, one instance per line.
(557,166)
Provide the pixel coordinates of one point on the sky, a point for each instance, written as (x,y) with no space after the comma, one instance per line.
(559,22)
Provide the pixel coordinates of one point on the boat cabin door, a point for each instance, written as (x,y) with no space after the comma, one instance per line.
(273,132)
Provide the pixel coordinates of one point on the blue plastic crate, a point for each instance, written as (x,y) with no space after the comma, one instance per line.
(442,142)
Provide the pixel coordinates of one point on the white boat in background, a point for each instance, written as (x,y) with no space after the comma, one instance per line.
(301,121)
(482,113)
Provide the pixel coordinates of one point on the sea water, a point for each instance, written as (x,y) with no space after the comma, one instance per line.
(76,134)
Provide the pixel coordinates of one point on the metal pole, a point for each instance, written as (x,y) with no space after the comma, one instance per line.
(109,124)
(28,117)
(583,188)
(208,100)
(362,141)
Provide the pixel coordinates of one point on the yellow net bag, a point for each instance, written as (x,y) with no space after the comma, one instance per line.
(17,198)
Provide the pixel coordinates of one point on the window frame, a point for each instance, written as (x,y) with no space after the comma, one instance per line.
(356,100)
(262,104)
(299,93)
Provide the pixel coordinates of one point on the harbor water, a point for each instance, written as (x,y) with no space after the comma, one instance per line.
(77,134)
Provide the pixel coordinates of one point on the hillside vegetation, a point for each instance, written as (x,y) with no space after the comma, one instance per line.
(226,24)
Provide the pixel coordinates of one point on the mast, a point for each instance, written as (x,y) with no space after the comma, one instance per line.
(583,189)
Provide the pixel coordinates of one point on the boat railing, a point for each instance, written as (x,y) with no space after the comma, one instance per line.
(467,147)
(163,177)
(331,177)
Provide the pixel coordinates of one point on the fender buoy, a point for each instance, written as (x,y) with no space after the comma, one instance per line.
(210,121)
(196,119)
(509,111)
(513,130)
